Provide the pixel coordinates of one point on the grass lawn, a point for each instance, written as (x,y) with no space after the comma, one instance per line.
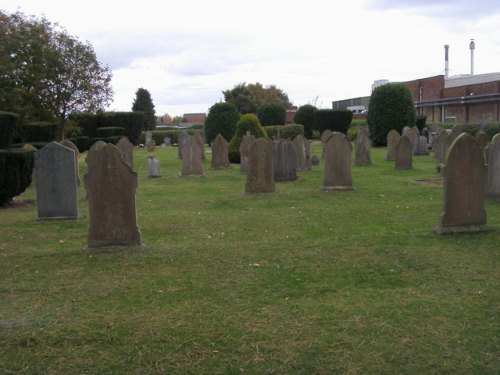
(301,281)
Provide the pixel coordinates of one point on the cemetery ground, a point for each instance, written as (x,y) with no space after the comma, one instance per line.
(300,281)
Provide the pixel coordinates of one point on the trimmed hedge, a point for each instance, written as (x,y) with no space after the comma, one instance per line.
(159,135)
(222,118)
(8,122)
(306,115)
(83,143)
(335,120)
(39,132)
(270,114)
(132,122)
(88,122)
(110,131)
(250,123)
(284,131)
(16,168)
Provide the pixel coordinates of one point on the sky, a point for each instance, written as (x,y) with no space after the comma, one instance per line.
(186,52)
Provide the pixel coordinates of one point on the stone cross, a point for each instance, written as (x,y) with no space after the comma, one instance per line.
(463,189)
(338,170)
(111,184)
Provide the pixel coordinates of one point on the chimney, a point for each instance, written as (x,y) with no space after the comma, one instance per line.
(472,46)
(446,67)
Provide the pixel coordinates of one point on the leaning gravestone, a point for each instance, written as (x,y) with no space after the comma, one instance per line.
(127,150)
(492,188)
(191,158)
(55,181)
(67,143)
(362,145)
(338,173)
(392,141)
(181,141)
(404,154)
(245,145)
(153,167)
(111,184)
(463,189)
(220,153)
(440,146)
(260,174)
(285,161)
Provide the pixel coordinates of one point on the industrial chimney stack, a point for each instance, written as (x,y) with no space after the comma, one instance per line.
(472,46)
(446,66)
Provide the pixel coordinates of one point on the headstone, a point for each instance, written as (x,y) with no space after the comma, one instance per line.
(191,158)
(127,150)
(55,181)
(455,132)
(153,167)
(362,145)
(492,188)
(67,143)
(285,161)
(463,189)
(307,152)
(150,147)
(482,139)
(404,154)
(338,174)
(440,146)
(181,141)
(405,129)
(245,144)
(92,152)
(298,144)
(324,137)
(198,138)
(392,141)
(413,134)
(421,148)
(314,160)
(220,153)
(260,174)
(167,141)
(148,137)
(111,184)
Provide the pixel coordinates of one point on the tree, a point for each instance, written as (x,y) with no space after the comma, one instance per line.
(271,114)
(306,116)
(248,98)
(391,107)
(144,103)
(46,74)
(222,118)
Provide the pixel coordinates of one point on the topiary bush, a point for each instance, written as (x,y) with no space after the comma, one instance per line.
(88,122)
(247,123)
(39,132)
(8,123)
(284,131)
(306,115)
(16,168)
(271,114)
(391,107)
(110,131)
(337,120)
(132,122)
(222,118)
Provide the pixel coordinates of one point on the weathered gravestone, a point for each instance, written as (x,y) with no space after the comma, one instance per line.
(421,147)
(127,150)
(111,184)
(220,153)
(153,167)
(181,141)
(440,146)
(362,145)
(405,129)
(308,163)
(463,189)
(392,141)
(245,145)
(167,141)
(150,147)
(413,134)
(338,173)
(404,154)
(455,132)
(299,147)
(260,174)
(324,137)
(492,188)
(191,158)
(481,139)
(55,181)
(285,161)
(148,137)
(67,143)
(198,138)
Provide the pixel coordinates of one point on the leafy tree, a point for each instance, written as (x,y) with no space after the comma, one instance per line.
(222,118)
(391,107)
(306,116)
(46,74)
(248,98)
(247,123)
(270,94)
(144,103)
(271,114)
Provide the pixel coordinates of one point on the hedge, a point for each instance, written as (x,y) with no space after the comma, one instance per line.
(284,131)
(16,168)
(39,132)
(159,135)
(271,114)
(334,120)
(132,122)
(83,143)
(110,131)
(8,122)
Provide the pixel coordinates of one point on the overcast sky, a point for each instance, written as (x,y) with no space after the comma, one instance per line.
(186,52)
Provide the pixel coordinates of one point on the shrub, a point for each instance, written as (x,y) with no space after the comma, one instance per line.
(391,107)
(491,130)
(306,115)
(88,122)
(8,122)
(336,120)
(132,122)
(110,131)
(222,118)
(420,122)
(271,114)
(247,123)
(39,132)
(284,131)
(16,168)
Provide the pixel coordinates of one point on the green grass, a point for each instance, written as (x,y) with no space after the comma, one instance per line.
(301,281)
